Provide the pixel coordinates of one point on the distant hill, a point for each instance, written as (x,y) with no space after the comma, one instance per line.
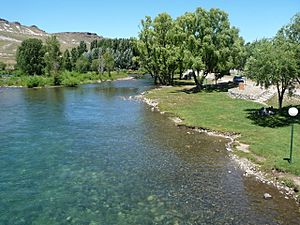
(13,33)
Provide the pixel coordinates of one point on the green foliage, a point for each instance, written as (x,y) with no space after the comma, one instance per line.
(2,66)
(74,57)
(82,65)
(52,55)
(36,81)
(66,62)
(70,79)
(122,49)
(274,62)
(156,45)
(109,61)
(95,65)
(202,40)
(94,44)
(82,48)
(30,57)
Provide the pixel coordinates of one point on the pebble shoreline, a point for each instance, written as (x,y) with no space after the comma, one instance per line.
(250,169)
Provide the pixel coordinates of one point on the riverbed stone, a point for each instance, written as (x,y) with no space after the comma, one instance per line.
(267,196)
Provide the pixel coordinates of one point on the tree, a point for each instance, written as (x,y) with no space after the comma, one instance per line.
(74,57)
(109,62)
(67,64)
(30,56)
(82,65)
(52,56)
(212,44)
(82,48)
(157,49)
(95,65)
(274,62)
(201,41)
(94,44)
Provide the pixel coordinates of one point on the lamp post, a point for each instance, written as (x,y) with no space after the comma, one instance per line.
(292,112)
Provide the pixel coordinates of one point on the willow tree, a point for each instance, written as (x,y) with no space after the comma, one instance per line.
(157,48)
(212,45)
(52,55)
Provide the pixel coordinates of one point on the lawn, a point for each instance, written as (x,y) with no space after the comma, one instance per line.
(268,136)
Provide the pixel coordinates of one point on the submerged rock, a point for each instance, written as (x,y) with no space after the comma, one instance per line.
(267,196)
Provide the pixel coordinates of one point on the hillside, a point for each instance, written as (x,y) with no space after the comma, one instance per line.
(13,33)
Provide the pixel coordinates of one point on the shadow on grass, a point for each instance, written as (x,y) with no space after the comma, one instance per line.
(279,119)
(220,87)
(183,82)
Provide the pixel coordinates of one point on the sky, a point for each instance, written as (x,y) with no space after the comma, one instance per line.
(112,18)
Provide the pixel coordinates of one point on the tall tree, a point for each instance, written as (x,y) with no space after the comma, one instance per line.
(67,64)
(82,48)
(30,56)
(52,55)
(109,62)
(74,57)
(202,41)
(94,44)
(214,45)
(157,49)
(82,65)
(274,62)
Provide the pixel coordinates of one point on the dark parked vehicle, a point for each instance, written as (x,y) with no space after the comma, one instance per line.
(238,79)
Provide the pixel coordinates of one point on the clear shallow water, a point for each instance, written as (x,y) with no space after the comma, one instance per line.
(87,156)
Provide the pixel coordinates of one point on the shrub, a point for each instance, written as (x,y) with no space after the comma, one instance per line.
(35,81)
(70,79)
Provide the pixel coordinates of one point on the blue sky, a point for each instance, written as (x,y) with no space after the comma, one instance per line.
(113,18)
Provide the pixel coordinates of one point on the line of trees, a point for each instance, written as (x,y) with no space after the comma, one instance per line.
(201,40)
(37,58)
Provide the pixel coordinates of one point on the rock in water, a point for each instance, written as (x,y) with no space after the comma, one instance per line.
(267,196)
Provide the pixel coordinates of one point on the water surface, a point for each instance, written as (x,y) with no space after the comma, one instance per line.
(87,156)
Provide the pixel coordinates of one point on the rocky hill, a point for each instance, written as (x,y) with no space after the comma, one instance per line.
(13,33)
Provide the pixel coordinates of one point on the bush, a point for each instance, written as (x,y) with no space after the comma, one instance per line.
(35,81)
(70,79)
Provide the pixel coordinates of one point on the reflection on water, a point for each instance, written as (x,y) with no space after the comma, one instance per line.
(86,156)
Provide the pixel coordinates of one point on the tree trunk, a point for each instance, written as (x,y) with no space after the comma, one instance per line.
(280,92)
(180,72)
(280,100)
(195,78)
(155,79)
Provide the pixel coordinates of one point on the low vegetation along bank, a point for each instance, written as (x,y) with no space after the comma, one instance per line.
(268,137)
(69,79)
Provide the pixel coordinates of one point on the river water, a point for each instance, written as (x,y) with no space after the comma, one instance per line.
(86,155)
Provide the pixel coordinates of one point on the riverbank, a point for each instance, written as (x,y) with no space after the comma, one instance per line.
(258,147)
(67,79)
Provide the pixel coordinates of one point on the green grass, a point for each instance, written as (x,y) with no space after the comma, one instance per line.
(66,78)
(217,111)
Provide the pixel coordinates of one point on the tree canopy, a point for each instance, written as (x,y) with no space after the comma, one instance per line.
(276,61)
(30,56)
(202,41)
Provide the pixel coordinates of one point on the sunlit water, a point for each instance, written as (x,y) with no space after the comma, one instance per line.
(87,156)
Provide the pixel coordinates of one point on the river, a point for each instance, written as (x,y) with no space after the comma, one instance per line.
(89,155)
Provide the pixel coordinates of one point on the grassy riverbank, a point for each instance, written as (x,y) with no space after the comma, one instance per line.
(268,137)
(66,79)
